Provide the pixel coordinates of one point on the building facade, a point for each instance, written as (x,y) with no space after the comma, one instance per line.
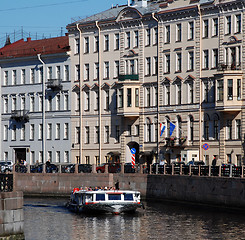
(175,63)
(35,106)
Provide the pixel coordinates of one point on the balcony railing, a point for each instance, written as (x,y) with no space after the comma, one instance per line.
(134,77)
(229,66)
(54,84)
(20,115)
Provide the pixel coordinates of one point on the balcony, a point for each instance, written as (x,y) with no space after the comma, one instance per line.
(54,84)
(133,77)
(230,66)
(20,115)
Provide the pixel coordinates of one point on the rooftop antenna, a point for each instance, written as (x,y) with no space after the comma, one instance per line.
(61,31)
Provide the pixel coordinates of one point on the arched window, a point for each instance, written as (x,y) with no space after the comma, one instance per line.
(206,127)
(191,128)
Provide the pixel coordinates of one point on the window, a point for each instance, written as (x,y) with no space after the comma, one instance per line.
(40,132)
(206,127)
(96,102)
(167,89)
(23,76)
(5,133)
(22,132)
(58,102)
(66,157)
(66,75)
(167,63)
(87,159)
(117,42)
(190,30)
(127,42)
(117,138)
(77,77)
(206,91)
(116,69)
(191,131)
(77,45)
(66,130)
(220,90)
(78,101)
(96,43)
(205,59)
(57,156)
(49,103)
(86,72)
(32,132)
(106,42)
(58,74)
(167,34)
(228,25)
(238,129)
(129,130)
(14,133)
(5,105)
(229,129)
(191,92)
(136,97)
(230,89)
(40,103)
(86,45)
(205,28)
(129,97)
(78,135)
(148,66)
(137,130)
(120,98)
(49,131)
(155,65)
(107,134)
(136,38)
(216,128)
(41,74)
(66,101)
(57,131)
(14,80)
(50,73)
(190,61)
(178,85)
(155,36)
(215,58)
(106,70)
(178,32)
(32,158)
(238,23)
(87,101)
(6,78)
(215,27)
(148,130)
(86,135)
(107,100)
(148,97)
(132,67)
(96,71)
(32,78)
(238,89)
(22,103)
(13,103)
(148,37)
(178,62)
(97,134)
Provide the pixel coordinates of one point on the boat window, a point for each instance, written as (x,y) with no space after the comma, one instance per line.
(128,197)
(100,197)
(114,197)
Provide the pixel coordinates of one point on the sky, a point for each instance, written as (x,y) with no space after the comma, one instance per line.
(45,18)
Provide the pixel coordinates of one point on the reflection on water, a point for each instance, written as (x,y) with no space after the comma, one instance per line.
(49,219)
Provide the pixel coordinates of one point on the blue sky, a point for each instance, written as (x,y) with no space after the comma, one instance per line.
(45,18)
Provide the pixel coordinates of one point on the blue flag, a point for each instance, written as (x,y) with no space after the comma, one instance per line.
(171,128)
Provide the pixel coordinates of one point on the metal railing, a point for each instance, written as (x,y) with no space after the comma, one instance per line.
(6,182)
(167,169)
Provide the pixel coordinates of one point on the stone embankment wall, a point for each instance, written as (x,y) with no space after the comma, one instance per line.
(208,190)
(11,215)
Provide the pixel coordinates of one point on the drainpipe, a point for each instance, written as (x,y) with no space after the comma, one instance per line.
(80,92)
(99,82)
(158,100)
(43,110)
(200,95)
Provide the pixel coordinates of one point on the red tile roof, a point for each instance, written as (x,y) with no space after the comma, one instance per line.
(23,48)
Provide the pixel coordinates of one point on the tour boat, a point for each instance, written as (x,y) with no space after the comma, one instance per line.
(112,201)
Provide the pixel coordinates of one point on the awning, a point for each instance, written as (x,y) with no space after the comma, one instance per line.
(115,153)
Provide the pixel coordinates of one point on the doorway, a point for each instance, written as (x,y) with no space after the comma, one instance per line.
(20,155)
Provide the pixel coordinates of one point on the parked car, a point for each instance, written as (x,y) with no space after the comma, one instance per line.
(6,166)
(112,168)
(51,168)
(70,168)
(36,168)
(85,168)
(195,163)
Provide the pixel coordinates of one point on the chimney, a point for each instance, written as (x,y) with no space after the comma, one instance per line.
(28,39)
(8,42)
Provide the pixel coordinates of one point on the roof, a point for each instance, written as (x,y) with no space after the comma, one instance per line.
(30,47)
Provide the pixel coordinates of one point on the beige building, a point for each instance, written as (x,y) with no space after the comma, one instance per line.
(177,62)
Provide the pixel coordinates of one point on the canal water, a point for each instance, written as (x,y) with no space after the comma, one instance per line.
(49,219)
